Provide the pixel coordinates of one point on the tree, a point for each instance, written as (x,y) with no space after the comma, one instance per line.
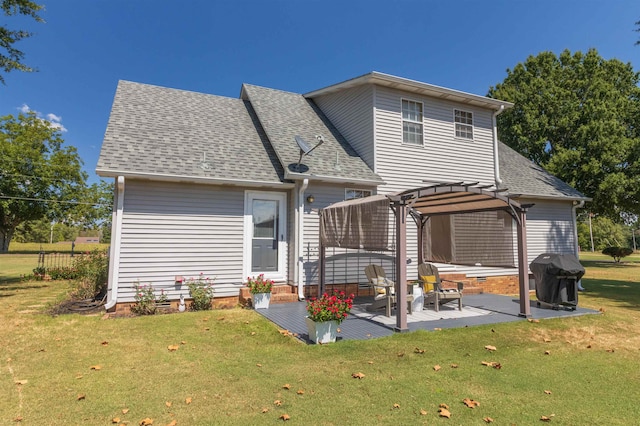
(39,178)
(576,115)
(605,232)
(11,59)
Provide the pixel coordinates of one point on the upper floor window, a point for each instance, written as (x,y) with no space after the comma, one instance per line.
(464,124)
(412,122)
(350,194)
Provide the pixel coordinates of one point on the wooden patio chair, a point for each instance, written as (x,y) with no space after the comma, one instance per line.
(434,291)
(384,289)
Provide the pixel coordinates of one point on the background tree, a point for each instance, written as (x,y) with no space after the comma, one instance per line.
(38,176)
(606,233)
(577,116)
(10,57)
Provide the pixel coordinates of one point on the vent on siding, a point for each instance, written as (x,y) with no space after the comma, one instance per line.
(481,279)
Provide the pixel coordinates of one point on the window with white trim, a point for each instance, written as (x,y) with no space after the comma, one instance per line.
(464,124)
(350,194)
(412,122)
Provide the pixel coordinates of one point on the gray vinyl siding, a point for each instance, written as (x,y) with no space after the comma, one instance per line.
(171,229)
(550,228)
(351,112)
(443,158)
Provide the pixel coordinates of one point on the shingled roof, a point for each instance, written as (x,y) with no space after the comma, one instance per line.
(168,133)
(284,115)
(524,178)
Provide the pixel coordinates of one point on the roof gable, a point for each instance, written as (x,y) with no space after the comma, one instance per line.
(284,115)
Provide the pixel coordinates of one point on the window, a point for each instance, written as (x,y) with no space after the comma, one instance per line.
(412,122)
(464,124)
(350,194)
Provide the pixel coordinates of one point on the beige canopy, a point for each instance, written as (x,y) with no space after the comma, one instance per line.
(363,223)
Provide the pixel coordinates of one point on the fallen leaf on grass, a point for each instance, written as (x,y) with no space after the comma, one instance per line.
(533,320)
(206,329)
(418,351)
(146,422)
(95,367)
(125,410)
(443,412)
(357,375)
(221,319)
(437,329)
(173,423)
(547,352)
(488,420)
(18,419)
(396,406)
(80,397)
(253,333)
(284,417)
(370,362)
(588,346)
(188,401)
(265,410)
(183,342)
(548,392)
(611,350)
(470,403)
(277,403)
(445,406)
(115,420)
(436,368)
(105,343)
(168,403)
(21,382)
(286,386)
(454,365)
(173,348)
(423,412)
(300,392)
(547,418)
(258,365)
(490,348)
(547,340)
(400,354)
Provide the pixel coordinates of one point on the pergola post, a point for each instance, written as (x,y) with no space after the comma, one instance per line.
(420,222)
(321,269)
(523,265)
(400,210)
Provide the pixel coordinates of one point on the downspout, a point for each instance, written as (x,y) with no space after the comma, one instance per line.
(299,240)
(575,207)
(116,229)
(496,159)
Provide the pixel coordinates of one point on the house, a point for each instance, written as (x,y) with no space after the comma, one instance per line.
(220,186)
(87,240)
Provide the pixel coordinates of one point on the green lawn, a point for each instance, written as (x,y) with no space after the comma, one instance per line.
(237,368)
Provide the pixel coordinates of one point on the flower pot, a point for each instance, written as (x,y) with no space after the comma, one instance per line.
(261,300)
(322,332)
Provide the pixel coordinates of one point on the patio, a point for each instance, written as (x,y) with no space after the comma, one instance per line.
(481,309)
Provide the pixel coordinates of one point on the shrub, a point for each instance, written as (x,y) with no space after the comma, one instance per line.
(92,272)
(201,291)
(617,252)
(63,273)
(146,301)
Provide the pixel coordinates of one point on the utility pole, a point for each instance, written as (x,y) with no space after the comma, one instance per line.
(591,232)
(51,235)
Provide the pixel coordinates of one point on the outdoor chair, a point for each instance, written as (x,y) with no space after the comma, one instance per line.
(384,289)
(434,292)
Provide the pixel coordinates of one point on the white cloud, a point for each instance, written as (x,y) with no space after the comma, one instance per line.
(52,120)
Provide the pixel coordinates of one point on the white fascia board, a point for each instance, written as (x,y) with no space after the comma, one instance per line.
(550,197)
(333,179)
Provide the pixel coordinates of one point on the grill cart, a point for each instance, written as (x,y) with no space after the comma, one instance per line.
(557,277)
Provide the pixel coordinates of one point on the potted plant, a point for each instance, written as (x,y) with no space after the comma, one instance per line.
(325,314)
(260,289)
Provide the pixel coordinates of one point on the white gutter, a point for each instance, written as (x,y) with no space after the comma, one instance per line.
(299,240)
(116,229)
(496,159)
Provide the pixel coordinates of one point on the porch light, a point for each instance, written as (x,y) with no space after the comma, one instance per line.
(310,199)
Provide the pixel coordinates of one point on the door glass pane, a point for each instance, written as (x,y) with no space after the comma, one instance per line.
(265,215)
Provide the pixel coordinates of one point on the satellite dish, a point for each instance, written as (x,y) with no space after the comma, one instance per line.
(305,149)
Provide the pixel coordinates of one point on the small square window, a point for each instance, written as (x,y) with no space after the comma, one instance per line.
(464,124)
(350,194)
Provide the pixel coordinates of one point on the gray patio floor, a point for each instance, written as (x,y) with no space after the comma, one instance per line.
(478,309)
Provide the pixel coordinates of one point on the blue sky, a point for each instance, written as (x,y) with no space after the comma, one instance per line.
(210,46)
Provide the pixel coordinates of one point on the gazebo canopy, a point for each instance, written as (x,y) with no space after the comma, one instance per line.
(363,223)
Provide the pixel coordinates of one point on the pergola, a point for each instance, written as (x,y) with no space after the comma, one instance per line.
(363,224)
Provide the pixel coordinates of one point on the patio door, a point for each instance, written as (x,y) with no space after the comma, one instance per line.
(265,234)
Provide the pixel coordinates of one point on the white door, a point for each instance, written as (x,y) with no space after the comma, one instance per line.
(265,238)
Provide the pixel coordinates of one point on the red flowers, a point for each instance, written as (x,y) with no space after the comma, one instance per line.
(259,284)
(330,308)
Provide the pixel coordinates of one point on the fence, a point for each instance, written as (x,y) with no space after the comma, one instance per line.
(48,261)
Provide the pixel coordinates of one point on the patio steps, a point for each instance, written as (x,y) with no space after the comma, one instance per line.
(280,293)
